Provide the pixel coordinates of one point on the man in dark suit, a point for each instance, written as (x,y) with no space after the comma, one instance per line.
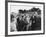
(21,26)
(36,23)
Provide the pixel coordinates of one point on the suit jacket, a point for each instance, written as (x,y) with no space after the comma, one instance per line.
(21,25)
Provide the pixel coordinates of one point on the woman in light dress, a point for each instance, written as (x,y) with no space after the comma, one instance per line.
(13,24)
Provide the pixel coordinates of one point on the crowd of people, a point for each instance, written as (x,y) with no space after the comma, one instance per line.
(27,21)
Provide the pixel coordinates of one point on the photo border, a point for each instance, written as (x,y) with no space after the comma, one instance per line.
(6,17)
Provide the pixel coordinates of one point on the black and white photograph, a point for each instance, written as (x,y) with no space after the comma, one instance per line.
(25,18)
